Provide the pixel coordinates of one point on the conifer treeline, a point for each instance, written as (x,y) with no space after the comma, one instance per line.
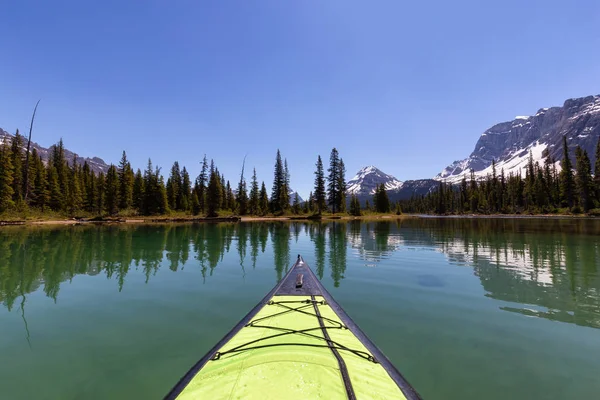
(63,186)
(542,190)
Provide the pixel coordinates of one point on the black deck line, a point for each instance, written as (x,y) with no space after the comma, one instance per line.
(408,391)
(340,359)
(312,286)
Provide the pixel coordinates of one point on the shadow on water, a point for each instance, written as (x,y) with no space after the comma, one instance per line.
(549,267)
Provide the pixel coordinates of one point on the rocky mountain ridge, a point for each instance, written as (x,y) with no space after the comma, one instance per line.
(509,143)
(96,164)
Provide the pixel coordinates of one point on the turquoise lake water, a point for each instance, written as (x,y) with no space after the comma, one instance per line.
(465,308)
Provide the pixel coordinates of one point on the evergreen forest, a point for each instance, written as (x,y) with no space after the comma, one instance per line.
(61,187)
(539,190)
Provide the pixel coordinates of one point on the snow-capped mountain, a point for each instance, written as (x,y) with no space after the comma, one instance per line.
(509,143)
(368,179)
(96,164)
(292,195)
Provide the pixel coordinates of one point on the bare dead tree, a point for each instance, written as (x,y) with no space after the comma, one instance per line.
(27,155)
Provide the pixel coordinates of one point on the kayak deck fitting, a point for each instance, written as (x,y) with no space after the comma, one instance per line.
(296,343)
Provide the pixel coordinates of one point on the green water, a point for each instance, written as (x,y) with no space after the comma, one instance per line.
(465,308)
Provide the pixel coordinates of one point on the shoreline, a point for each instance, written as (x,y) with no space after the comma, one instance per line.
(159,220)
(286,218)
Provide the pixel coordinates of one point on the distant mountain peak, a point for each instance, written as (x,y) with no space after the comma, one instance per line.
(368,178)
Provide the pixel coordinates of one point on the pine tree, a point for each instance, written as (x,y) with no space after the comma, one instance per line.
(6,178)
(138,190)
(126,179)
(171,194)
(285,190)
(529,184)
(309,204)
(333,181)
(354,205)
(398,209)
(296,205)
(74,199)
(185,190)
(39,193)
(277,197)
(214,194)
(86,189)
(229,198)
(16,155)
(556,185)
(155,199)
(56,200)
(495,190)
(502,194)
(173,187)
(29,173)
(91,192)
(464,194)
(160,193)
(225,199)
(473,193)
(306,206)
(381,200)
(62,173)
(202,183)
(195,203)
(548,180)
(567,185)
(101,193)
(584,179)
(112,190)
(263,200)
(441,204)
(242,195)
(319,193)
(541,193)
(254,195)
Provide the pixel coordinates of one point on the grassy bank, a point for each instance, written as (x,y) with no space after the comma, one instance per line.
(36,217)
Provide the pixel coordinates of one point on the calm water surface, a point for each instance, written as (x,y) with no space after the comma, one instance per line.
(465,308)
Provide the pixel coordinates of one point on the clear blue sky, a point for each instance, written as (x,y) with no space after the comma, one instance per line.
(406,86)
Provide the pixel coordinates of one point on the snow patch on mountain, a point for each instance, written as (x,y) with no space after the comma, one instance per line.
(368,179)
(509,143)
(515,163)
(292,195)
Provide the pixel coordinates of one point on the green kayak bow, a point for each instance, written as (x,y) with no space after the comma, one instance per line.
(297,343)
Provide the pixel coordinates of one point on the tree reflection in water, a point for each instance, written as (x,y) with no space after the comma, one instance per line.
(546,267)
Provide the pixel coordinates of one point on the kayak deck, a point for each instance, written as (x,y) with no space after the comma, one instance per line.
(283,354)
(296,343)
